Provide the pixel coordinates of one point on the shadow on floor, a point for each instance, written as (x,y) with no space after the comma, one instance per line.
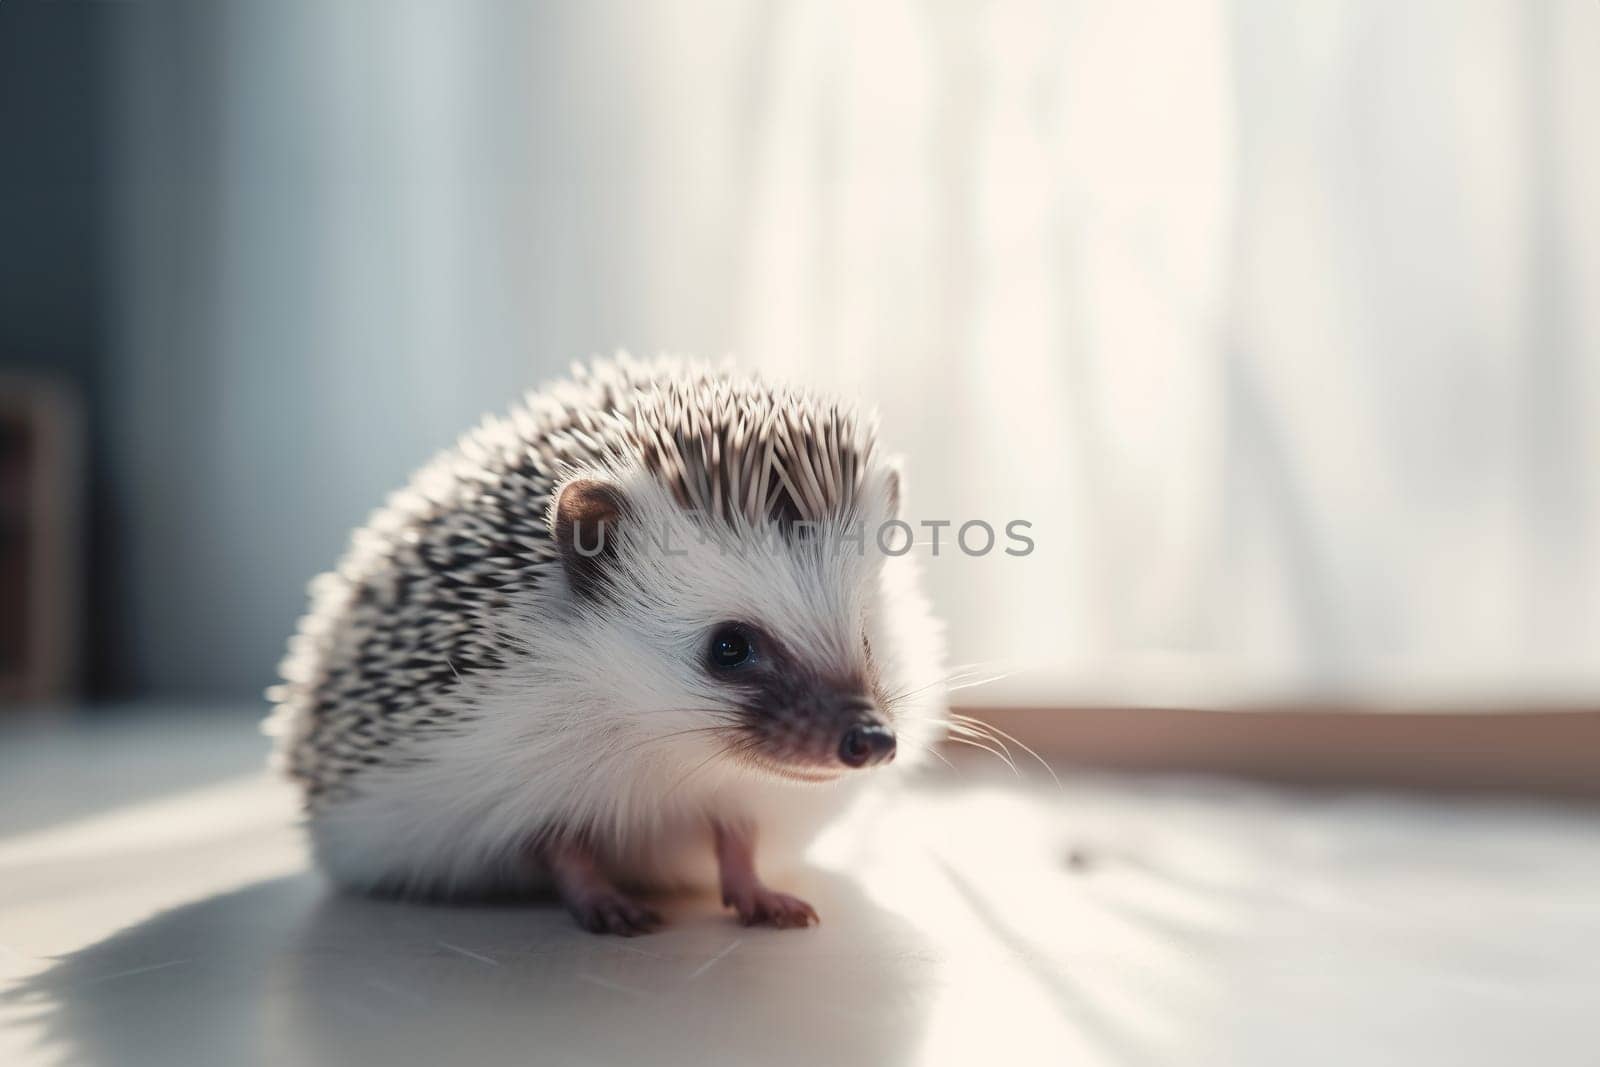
(285,972)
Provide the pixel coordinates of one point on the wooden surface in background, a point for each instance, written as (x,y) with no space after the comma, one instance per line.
(1534,752)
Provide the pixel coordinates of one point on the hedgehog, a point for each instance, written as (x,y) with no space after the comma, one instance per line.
(607,644)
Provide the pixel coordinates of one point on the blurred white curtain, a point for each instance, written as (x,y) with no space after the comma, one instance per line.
(1277,320)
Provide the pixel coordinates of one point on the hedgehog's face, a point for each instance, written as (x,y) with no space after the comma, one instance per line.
(795,716)
(758,648)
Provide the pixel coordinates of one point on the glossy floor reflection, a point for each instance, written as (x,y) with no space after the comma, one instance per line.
(1113,921)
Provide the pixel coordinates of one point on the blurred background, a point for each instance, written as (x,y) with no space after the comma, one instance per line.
(1276,320)
(1279,322)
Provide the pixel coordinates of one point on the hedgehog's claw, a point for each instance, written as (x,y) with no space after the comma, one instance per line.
(760,906)
(609,912)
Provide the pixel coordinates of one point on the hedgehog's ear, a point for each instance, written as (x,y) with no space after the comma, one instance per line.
(584,523)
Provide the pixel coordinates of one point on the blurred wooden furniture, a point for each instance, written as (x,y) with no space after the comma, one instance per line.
(40,558)
(1535,751)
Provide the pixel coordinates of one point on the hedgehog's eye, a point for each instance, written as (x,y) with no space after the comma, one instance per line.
(730,647)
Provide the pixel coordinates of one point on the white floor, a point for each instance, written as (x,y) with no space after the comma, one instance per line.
(155,909)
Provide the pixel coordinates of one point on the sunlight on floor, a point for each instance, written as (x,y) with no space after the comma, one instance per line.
(74,884)
(1111,921)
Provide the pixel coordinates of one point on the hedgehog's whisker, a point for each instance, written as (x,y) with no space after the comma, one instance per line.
(1001,756)
(971,731)
(975,682)
(997,733)
(962,677)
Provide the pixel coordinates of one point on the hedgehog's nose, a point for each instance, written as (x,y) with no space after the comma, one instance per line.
(865,744)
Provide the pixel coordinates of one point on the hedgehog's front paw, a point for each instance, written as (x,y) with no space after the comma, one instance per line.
(760,906)
(606,911)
